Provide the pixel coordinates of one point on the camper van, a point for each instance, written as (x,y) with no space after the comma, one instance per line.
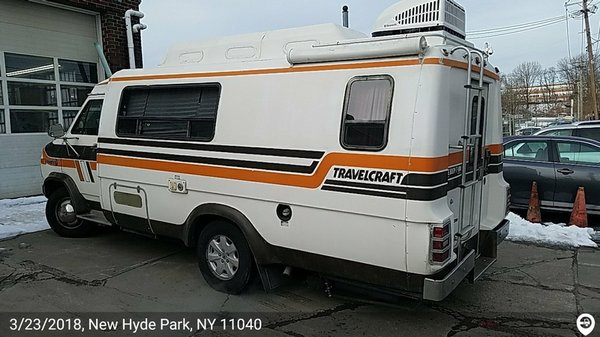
(370,159)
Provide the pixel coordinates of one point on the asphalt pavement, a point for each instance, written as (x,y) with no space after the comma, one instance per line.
(129,279)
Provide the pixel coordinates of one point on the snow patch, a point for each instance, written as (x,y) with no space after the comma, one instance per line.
(23,215)
(549,234)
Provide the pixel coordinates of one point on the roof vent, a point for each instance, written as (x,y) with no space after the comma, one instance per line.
(414,16)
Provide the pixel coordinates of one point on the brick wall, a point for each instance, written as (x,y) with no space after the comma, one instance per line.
(114,37)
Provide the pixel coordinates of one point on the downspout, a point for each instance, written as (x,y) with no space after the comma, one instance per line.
(130,30)
(103,61)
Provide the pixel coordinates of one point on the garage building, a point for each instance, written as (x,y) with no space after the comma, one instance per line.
(48,65)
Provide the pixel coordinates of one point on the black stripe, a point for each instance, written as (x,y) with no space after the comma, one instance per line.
(417,194)
(420,179)
(495,159)
(305,154)
(426,194)
(418,30)
(363,192)
(216,161)
(454,182)
(495,168)
(89,169)
(60,151)
(365,185)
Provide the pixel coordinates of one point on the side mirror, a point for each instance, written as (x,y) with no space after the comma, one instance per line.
(56,131)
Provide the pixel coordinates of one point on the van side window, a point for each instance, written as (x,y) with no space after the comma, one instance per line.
(89,119)
(366,116)
(169,112)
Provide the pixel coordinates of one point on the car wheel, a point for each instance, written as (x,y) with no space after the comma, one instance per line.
(62,218)
(225,259)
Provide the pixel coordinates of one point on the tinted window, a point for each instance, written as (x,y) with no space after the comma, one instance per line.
(474,115)
(575,153)
(592,133)
(89,119)
(367,112)
(527,150)
(178,112)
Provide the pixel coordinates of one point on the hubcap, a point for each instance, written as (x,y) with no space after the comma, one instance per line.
(223,257)
(66,214)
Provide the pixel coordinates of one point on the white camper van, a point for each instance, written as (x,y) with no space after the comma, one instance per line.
(370,159)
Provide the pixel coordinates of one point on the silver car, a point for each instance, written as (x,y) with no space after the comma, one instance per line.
(584,129)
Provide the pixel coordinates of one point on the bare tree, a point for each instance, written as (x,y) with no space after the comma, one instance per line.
(548,86)
(526,75)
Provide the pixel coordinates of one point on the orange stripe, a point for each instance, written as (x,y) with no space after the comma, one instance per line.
(415,164)
(496,149)
(62,162)
(298,69)
(464,65)
(301,69)
(79,171)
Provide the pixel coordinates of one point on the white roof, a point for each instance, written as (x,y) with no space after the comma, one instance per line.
(256,46)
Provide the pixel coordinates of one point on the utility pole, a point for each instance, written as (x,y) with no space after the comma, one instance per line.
(591,68)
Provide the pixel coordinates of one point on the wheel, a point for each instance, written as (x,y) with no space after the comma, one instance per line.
(61,216)
(224,257)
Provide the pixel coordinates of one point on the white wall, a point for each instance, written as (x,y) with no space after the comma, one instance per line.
(20,164)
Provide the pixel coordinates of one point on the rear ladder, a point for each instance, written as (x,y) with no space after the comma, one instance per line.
(470,144)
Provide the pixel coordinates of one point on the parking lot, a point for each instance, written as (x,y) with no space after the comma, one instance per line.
(531,291)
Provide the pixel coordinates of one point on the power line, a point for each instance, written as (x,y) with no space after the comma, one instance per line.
(518,30)
(517,26)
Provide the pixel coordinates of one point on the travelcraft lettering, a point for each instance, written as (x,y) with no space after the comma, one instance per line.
(373,176)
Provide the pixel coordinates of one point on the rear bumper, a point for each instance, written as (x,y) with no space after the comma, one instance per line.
(437,290)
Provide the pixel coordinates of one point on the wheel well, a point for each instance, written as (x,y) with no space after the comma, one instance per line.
(204,214)
(52,185)
(200,223)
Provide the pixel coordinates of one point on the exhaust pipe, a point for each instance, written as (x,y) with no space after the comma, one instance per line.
(345,16)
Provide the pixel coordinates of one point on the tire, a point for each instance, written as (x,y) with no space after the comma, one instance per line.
(220,246)
(61,216)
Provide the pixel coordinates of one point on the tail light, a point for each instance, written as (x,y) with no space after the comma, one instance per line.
(440,243)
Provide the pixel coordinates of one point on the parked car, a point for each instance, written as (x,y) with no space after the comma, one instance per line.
(528,131)
(585,129)
(559,165)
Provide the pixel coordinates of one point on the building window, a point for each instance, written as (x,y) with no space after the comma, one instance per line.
(74,96)
(366,115)
(31,94)
(30,67)
(68,116)
(42,91)
(73,71)
(26,121)
(2,123)
(169,112)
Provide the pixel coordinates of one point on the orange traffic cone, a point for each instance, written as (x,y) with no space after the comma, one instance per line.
(579,214)
(533,212)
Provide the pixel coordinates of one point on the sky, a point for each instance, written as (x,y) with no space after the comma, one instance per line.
(193,20)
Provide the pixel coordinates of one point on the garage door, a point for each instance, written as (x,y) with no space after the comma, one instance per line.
(48,65)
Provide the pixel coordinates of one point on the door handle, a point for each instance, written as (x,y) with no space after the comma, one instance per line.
(566,171)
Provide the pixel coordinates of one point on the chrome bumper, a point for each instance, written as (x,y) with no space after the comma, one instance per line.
(502,231)
(437,290)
